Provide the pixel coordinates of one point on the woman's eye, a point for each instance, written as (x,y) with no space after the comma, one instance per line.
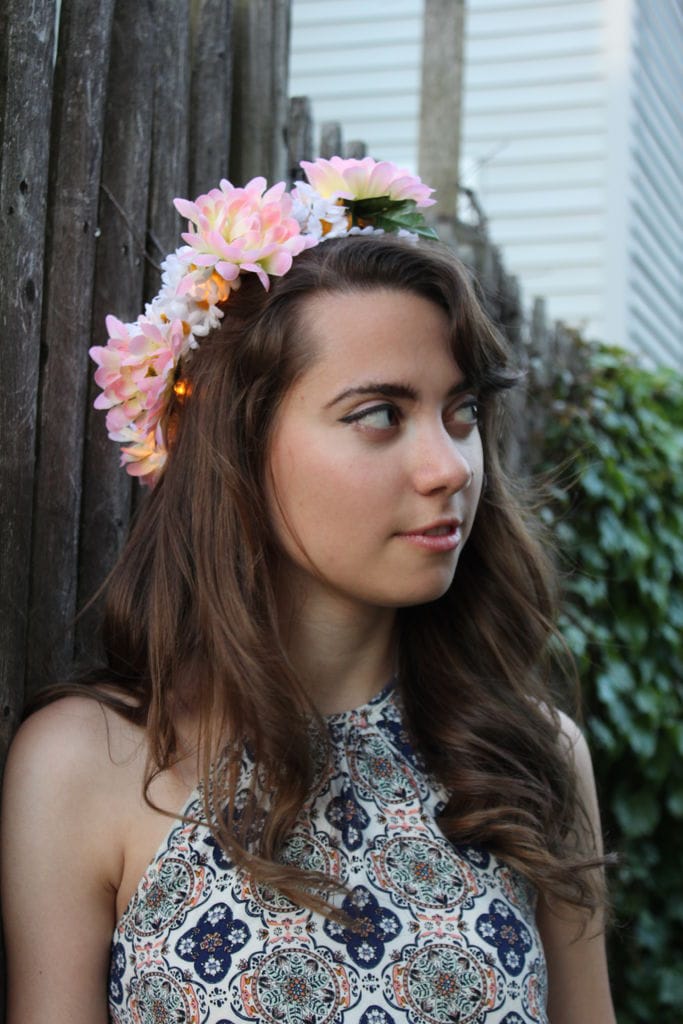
(465,415)
(378,417)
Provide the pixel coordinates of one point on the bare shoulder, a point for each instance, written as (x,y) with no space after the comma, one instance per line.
(73,770)
(73,762)
(77,743)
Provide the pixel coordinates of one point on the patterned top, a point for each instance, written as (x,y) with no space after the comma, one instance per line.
(448,934)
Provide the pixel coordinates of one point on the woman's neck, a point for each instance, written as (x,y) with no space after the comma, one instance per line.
(344,654)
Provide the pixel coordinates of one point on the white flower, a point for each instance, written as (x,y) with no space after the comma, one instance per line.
(318,216)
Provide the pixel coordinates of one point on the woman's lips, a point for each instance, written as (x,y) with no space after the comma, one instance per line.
(438,537)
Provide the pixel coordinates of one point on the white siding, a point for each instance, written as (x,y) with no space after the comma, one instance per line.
(655,272)
(572,138)
(534,144)
(361,64)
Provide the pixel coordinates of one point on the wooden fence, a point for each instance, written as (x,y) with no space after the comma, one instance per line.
(109,109)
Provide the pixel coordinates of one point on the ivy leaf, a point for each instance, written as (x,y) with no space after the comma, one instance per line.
(637,813)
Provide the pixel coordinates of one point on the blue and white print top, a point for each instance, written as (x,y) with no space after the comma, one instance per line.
(448,933)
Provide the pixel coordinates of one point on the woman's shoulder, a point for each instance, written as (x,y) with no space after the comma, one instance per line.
(77,739)
(73,760)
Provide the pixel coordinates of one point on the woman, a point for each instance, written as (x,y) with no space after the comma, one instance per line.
(320,776)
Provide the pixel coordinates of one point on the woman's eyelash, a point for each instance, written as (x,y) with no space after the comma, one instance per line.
(472,404)
(355,417)
(470,407)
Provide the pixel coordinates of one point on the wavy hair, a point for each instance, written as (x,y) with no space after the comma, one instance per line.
(191,617)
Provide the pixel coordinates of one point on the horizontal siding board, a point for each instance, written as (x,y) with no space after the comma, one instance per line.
(560,229)
(332,12)
(656,295)
(514,177)
(665,214)
(536,203)
(531,18)
(577,309)
(498,7)
(651,227)
(543,45)
(376,87)
(515,96)
(572,68)
(517,151)
(537,255)
(650,96)
(549,124)
(664,219)
(310,40)
(343,63)
(660,261)
(556,281)
(655,342)
(659,36)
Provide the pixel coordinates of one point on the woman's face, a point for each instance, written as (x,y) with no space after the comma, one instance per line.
(376,459)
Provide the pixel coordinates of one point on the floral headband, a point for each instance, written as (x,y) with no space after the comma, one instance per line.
(233,231)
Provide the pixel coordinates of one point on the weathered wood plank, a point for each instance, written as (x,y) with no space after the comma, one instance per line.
(330,139)
(261,74)
(441,101)
(77,131)
(119,284)
(23,194)
(355,149)
(299,136)
(211,94)
(170,136)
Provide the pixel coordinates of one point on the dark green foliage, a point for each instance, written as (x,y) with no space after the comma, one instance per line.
(613,442)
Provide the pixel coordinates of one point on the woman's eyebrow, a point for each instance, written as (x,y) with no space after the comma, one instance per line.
(389,390)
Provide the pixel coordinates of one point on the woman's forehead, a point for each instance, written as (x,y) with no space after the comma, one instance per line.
(379,334)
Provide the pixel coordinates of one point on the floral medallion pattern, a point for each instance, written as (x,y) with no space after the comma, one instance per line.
(438,934)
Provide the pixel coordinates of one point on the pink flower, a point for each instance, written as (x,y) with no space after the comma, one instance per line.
(237,229)
(135,372)
(135,365)
(145,455)
(365,179)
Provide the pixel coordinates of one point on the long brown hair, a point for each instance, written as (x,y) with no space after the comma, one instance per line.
(191,616)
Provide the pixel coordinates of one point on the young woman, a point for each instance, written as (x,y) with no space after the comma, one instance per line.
(321,777)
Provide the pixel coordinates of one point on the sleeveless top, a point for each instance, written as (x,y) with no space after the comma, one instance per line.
(448,934)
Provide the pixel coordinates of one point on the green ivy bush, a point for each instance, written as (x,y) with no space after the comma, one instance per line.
(616,513)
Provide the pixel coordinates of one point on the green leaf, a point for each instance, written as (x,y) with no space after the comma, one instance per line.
(391,215)
(414,222)
(638,813)
(674,803)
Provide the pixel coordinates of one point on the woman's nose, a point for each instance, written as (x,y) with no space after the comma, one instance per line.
(443,463)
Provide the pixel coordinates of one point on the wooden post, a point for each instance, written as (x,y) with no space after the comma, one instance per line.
(355,149)
(170,140)
(77,125)
(260,106)
(28,50)
(441,101)
(119,277)
(299,136)
(330,139)
(211,94)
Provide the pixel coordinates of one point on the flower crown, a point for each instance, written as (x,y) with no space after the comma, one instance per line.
(233,231)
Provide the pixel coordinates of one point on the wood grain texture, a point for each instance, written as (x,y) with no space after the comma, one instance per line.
(299,136)
(119,284)
(23,197)
(261,73)
(170,137)
(77,134)
(211,93)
